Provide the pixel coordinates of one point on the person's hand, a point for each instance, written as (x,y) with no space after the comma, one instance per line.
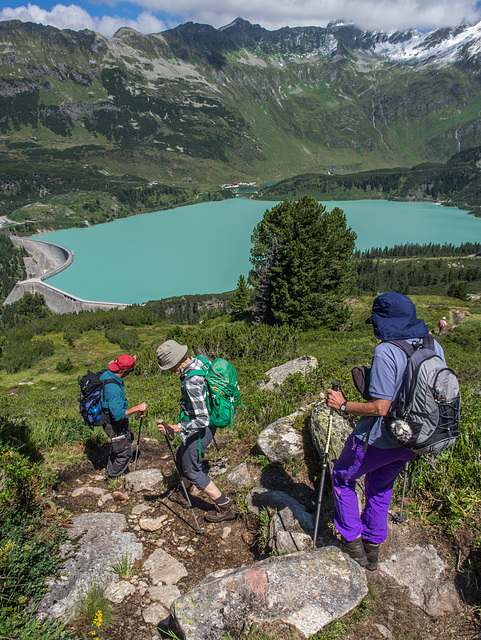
(335,399)
(161,427)
(142,407)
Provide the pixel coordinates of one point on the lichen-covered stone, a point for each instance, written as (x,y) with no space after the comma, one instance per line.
(319,427)
(279,440)
(306,590)
(275,377)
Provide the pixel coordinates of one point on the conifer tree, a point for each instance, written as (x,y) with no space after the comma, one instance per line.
(302,264)
(239,302)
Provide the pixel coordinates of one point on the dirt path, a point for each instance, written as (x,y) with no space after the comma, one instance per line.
(387,612)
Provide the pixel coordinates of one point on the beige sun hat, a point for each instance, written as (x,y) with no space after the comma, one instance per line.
(170,353)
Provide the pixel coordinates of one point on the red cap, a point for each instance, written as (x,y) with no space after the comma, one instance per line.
(123,363)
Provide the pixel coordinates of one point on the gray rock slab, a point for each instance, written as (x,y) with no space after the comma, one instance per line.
(419,569)
(259,497)
(280,440)
(152,524)
(97,541)
(88,491)
(155,613)
(240,476)
(306,590)
(275,377)
(163,568)
(165,595)
(144,480)
(118,591)
(286,535)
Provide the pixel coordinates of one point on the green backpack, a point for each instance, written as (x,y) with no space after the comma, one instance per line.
(222,390)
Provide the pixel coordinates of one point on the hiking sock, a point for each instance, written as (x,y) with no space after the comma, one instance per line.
(222,500)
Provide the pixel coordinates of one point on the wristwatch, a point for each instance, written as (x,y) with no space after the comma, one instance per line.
(343,406)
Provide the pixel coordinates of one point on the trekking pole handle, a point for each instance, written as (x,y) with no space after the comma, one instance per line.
(335,386)
(169,431)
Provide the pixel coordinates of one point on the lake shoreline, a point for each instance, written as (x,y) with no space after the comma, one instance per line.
(218,234)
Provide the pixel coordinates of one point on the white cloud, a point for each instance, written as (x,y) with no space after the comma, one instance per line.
(387,15)
(75,17)
(372,14)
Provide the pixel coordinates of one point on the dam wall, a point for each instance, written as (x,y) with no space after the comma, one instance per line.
(46,260)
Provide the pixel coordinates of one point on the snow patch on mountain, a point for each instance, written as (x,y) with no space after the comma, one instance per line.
(443,46)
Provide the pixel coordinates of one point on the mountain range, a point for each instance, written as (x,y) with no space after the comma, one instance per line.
(204,105)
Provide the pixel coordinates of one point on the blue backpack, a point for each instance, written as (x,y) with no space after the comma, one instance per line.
(91,388)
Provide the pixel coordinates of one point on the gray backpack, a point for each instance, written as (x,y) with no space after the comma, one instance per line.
(426,418)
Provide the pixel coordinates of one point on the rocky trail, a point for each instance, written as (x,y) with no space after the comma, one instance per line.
(419,591)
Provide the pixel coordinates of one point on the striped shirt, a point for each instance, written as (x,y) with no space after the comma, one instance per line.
(193,402)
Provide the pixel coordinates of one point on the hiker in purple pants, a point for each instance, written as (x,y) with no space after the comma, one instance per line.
(371,450)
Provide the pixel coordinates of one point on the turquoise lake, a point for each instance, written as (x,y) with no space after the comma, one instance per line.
(204,248)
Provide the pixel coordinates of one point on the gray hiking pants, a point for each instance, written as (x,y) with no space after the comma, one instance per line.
(121,438)
(189,461)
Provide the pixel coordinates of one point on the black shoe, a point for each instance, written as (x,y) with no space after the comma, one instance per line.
(355,550)
(177,495)
(221,512)
(372,554)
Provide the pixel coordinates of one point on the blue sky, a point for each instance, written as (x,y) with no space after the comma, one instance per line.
(151,16)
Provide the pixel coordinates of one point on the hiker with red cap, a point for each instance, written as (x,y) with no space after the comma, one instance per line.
(114,404)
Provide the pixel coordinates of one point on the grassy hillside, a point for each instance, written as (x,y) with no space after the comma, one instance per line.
(41,430)
(456,182)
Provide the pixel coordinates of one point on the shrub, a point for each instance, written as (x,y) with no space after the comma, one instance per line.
(127,340)
(18,355)
(244,341)
(65,366)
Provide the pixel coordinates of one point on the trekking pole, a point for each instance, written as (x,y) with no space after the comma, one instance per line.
(138,439)
(399,518)
(168,437)
(335,387)
(223,461)
(107,464)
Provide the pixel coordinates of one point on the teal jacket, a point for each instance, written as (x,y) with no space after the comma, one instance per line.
(114,401)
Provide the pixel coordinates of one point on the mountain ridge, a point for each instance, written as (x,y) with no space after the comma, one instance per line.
(205,105)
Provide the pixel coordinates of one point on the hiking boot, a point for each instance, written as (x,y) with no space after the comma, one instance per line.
(355,550)
(177,495)
(221,512)
(372,554)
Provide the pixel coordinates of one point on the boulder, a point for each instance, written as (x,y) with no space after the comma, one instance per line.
(145,480)
(259,497)
(280,440)
(286,535)
(275,377)
(97,541)
(163,568)
(419,569)
(319,427)
(306,590)
(240,476)
(118,591)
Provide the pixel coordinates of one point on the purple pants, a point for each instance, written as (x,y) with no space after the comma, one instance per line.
(381,467)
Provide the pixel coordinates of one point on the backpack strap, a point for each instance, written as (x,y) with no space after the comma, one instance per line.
(102,391)
(196,372)
(426,343)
